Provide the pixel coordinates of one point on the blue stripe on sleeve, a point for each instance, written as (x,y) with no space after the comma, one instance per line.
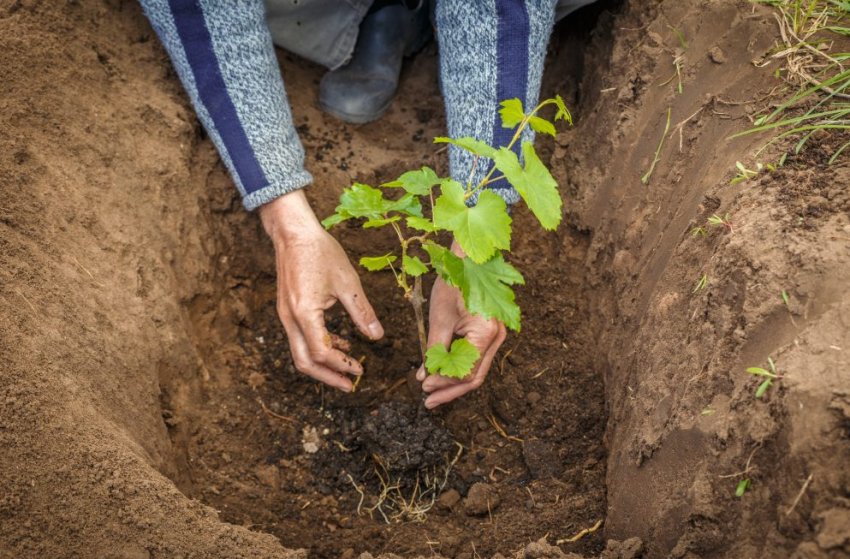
(512,59)
(212,91)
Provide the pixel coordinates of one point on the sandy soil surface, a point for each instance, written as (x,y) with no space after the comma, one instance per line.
(149,407)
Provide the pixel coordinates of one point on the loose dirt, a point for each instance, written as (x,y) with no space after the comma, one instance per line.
(149,406)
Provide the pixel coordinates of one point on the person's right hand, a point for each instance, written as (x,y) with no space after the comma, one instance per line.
(313,273)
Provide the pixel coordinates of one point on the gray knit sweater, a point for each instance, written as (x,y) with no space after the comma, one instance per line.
(490,50)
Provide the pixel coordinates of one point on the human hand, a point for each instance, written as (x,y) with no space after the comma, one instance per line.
(313,273)
(448,316)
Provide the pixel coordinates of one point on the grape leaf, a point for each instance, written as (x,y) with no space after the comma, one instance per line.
(542,125)
(408,205)
(534,183)
(563,113)
(421,223)
(362,200)
(482,229)
(379,222)
(511,113)
(469,144)
(418,182)
(375,263)
(413,266)
(447,265)
(486,290)
(456,362)
(333,219)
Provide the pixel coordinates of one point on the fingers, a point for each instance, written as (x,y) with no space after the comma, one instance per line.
(303,362)
(302,355)
(320,345)
(355,302)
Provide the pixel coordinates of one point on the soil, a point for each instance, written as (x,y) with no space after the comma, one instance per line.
(149,407)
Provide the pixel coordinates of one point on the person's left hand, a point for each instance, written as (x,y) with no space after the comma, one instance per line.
(448,317)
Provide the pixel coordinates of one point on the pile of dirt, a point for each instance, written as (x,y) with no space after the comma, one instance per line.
(149,406)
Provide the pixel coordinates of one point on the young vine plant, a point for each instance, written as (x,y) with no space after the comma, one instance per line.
(476,217)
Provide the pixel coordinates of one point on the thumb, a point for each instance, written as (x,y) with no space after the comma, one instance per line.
(355,302)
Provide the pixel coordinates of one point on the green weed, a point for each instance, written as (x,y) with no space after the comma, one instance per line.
(769,377)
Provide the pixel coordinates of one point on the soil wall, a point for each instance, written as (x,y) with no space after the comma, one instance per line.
(104,228)
(684,424)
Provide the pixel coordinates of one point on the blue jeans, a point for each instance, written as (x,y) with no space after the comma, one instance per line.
(325,31)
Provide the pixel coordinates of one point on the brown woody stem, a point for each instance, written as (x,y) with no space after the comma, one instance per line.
(417,300)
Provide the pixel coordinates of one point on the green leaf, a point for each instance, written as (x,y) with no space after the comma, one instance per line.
(563,113)
(380,222)
(413,266)
(758,371)
(542,125)
(421,224)
(455,363)
(534,183)
(375,263)
(742,487)
(418,182)
(469,144)
(511,112)
(408,205)
(763,387)
(482,229)
(486,290)
(361,200)
(447,265)
(333,219)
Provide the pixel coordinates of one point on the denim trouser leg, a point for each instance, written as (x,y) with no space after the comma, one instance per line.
(322,31)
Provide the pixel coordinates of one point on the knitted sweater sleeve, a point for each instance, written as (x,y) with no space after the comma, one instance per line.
(490,50)
(223,53)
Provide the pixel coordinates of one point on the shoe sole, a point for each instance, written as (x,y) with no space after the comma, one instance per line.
(356,119)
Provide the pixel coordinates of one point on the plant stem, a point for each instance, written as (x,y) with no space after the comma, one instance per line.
(417,300)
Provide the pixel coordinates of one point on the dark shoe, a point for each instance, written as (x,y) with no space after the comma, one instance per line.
(362,90)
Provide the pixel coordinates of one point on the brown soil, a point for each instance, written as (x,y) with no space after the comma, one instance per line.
(149,407)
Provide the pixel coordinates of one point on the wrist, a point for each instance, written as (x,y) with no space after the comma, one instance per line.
(289,217)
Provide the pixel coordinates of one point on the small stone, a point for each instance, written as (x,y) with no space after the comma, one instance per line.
(311,440)
(269,475)
(835,529)
(533,397)
(448,499)
(631,548)
(347,554)
(482,499)
(256,380)
(716,55)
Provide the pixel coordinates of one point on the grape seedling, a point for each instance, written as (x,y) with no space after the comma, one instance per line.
(476,217)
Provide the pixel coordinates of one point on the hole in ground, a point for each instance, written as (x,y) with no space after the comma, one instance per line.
(342,474)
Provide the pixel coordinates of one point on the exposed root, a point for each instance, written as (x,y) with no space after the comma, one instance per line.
(581,534)
(393,505)
(499,429)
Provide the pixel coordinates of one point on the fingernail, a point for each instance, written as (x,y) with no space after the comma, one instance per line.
(375,330)
(431,404)
(420,374)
